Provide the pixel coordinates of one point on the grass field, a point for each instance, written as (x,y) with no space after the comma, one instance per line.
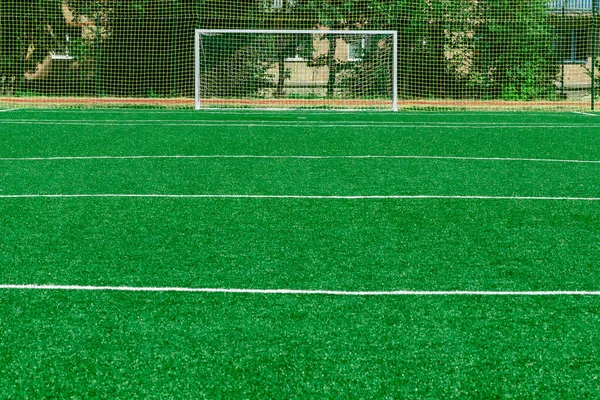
(424,254)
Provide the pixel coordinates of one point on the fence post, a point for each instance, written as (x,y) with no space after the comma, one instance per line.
(97,54)
(21,51)
(176,21)
(561,45)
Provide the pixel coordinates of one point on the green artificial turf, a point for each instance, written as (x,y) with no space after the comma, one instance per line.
(111,345)
(192,345)
(302,244)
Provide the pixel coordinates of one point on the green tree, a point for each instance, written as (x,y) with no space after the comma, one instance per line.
(342,15)
(146,47)
(29,32)
(296,14)
(447,48)
(514,44)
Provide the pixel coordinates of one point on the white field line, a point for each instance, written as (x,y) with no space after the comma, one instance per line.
(302,197)
(9,110)
(299,157)
(295,124)
(297,114)
(585,113)
(301,112)
(303,292)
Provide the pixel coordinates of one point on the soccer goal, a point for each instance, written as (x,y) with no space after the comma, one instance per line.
(327,69)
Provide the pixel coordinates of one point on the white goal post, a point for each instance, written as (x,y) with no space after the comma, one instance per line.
(282,69)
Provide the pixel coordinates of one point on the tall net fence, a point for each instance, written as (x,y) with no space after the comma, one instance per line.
(513,54)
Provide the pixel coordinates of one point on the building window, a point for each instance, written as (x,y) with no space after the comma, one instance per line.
(573,45)
(356,49)
(278,4)
(62,51)
(303,47)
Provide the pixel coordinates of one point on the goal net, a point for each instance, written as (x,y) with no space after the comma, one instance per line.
(296,69)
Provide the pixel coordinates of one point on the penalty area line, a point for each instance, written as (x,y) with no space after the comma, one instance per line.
(303,292)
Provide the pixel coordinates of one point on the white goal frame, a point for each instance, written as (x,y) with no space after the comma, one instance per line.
(393,34)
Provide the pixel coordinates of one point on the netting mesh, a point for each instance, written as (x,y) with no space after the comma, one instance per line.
(451,53)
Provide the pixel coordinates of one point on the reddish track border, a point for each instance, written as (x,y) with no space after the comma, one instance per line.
(94,101)
(290,103)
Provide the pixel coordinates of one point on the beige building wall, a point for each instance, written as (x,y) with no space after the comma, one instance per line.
(576,76)
(306,80)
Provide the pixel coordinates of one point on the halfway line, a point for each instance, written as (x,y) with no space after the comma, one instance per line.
(303,292)
(259,196)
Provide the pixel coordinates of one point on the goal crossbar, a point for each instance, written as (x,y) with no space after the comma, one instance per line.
(300,31)
(391,33)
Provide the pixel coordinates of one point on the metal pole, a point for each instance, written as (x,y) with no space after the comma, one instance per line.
(98,55)
(176,21)
(197,70)
(21,50)
(594,33)
(395,74)
(561,51)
